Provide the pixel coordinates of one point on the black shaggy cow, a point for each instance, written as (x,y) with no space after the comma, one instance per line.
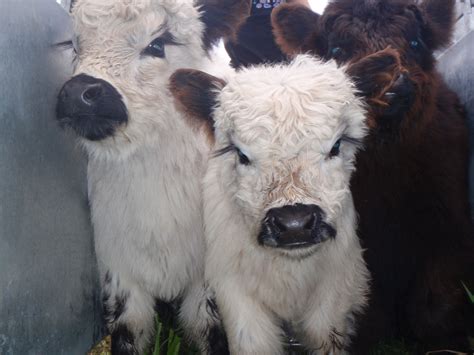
(411,183)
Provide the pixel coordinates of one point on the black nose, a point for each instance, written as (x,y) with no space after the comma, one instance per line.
(295,218)
(82,92)
(400,97)
(90,106)
(295,226)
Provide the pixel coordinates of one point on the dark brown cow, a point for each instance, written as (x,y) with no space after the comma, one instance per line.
(411,183)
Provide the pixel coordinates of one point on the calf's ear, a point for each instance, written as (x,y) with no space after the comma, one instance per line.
(222,18)
(295,28)
(195,93)
(439,20)
(72,4)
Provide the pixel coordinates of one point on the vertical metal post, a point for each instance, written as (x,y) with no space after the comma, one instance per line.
(49,300)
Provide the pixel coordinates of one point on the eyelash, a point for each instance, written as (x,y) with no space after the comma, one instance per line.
(243,159)
(166,39)
(354,141)
(232,148)
(69,45)
(335,150)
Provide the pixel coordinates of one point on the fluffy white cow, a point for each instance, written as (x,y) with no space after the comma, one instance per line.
(280,221)
(145,163)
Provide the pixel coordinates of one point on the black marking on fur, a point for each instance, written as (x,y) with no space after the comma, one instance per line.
(113,309)
(216,338)
(119,306)
(337,339)
(113,306)
(168,311)
(217,341)
(211,307)
(123,341)
(291,343)
(107,278)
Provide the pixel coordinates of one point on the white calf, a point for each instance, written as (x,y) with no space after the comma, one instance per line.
(280,222)
(145,163)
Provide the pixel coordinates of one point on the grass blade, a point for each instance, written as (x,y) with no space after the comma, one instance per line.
(156,349)
(469,293)
(174,343)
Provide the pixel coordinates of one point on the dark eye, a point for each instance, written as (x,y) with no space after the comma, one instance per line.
(335,52)
(156,48)
(415,44)
(336,149)
(243,159)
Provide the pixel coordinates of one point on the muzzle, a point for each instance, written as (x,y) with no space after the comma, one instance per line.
(295,227)
(91,107)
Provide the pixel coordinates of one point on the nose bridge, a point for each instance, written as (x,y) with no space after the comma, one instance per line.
(100,68)
(289,185)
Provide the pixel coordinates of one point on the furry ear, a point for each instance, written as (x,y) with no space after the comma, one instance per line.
(222,18)
(196,93)
(295,28)
(439,20)
(71,4)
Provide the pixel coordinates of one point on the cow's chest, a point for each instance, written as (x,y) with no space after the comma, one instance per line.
(138,210)
(284,286)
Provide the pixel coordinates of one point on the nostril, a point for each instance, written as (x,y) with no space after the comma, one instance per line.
(310,223)
(92,94)
(282,227)
(400,80)
(294,218)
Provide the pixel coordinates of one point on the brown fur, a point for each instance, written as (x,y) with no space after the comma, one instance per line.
(195,94)
(290,34)
(411,184)
(222,18)
(375,75)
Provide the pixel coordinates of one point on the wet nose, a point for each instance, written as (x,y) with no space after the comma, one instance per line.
(294,218)
(82,93)
(92,107)
(294,226)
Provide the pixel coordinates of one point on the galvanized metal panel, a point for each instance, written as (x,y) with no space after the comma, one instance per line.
(48,284)
(457,67)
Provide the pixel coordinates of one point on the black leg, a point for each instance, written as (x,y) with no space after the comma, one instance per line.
(122,342)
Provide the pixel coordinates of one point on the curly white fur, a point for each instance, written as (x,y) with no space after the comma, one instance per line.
(144,181)
(286,119)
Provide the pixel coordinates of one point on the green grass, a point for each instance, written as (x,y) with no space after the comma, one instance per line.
(469,293)
(168,340)
(394,347)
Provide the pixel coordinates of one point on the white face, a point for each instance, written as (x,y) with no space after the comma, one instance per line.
(288,135)
(135,45)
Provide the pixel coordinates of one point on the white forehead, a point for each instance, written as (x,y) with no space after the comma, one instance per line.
(133,19)
(281,104)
